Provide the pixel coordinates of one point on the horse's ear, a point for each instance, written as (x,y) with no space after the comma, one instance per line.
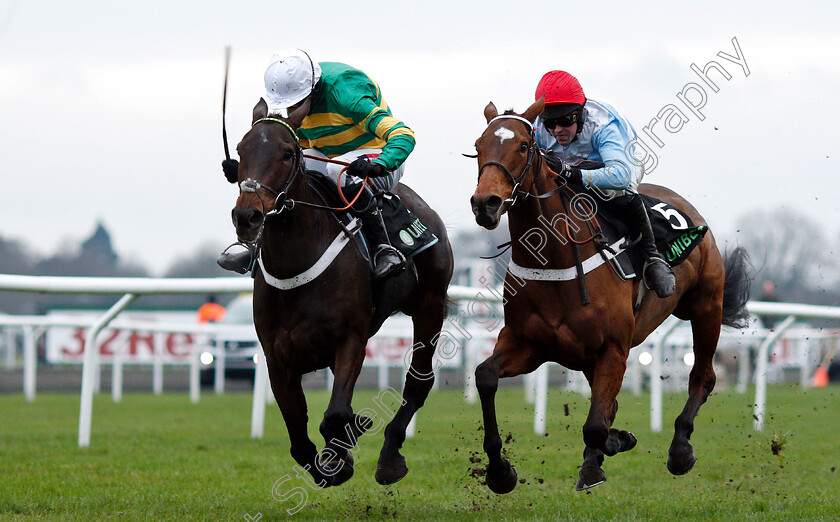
(297,116)
(260,111)
(535,109)
(490,112)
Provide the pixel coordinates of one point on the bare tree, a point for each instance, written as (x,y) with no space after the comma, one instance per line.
(785,248)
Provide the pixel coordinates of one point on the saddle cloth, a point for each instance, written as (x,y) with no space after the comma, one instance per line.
(674,232)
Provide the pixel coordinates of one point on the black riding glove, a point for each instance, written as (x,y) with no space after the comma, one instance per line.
(231,170)
(362,168)
(572,174)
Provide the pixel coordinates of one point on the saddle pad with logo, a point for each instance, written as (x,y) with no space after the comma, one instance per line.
(405,230)
(674,232)
(676,236)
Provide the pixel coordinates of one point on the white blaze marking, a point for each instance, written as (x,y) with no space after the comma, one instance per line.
(504,134)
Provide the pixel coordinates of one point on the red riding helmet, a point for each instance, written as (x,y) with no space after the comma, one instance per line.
(560,87)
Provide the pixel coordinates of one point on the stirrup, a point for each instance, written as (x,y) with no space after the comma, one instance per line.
(663,288)
(387,267)
(239,262)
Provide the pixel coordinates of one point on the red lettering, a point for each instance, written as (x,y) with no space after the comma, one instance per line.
(136,339)
(78,335)
(105,348)
(179,345)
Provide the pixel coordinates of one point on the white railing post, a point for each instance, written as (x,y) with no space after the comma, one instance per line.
(219,373)
(761,371)
(30,363)
(656,375)
(258,406)
(744,366)
(541,398)
(117,369)
(11,347)
(530,385)
(195,377)
(470,356)
(157,368)
(90,367)
(635,374)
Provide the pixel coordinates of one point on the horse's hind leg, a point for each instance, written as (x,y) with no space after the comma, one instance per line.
(508,360)
(418,381)
(598,435)
(705,328)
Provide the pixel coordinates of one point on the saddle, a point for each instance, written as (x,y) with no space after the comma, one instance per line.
(405,230)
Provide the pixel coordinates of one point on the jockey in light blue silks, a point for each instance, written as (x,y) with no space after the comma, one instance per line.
(574,130)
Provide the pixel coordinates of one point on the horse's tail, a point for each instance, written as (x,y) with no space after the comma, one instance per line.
(736,288)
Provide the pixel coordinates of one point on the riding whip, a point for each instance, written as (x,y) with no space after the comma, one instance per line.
(224,103)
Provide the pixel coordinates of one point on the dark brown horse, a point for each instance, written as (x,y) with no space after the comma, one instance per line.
(306,320)
(547,320)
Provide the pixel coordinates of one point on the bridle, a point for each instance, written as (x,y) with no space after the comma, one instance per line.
(281,197)
(533,153)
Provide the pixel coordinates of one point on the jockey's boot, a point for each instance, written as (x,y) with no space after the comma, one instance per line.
(658,275)
(239,262)
(386,258)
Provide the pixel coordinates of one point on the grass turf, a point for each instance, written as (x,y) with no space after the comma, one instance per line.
(162,458)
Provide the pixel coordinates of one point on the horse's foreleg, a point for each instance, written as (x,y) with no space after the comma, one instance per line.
(701,382)
(288,393)
(500,476)
(598,435)
(341,428)
(418,381)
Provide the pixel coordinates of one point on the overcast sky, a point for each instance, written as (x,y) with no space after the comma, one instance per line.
(111,111)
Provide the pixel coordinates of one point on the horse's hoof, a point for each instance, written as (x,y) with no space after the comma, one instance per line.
(589,477)
(626,439)
(334,472)
(388,473)
(344,474)
(680,464)
(501,479)
(618,441)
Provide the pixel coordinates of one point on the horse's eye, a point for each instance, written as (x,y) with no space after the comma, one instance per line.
(523,147)
(287,155)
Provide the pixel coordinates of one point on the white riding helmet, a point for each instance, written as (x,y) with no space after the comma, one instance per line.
(290,77)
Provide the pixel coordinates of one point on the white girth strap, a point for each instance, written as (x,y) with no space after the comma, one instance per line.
(563,274)
(318,268)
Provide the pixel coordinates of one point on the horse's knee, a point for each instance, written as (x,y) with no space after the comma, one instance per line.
(487,377)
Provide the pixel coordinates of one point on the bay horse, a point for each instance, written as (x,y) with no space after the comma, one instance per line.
(547,320)
(315,321)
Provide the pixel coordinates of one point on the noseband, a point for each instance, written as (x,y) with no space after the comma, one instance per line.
(532,154)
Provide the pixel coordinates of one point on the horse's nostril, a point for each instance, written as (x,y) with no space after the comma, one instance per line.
(247,219)
(493,203)
(255,218)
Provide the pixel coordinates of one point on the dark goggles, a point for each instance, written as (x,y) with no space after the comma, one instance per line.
(563,121)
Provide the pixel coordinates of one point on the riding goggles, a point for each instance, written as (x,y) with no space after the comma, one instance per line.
(563,121)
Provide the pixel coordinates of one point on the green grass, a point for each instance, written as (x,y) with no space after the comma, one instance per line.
(162,458)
